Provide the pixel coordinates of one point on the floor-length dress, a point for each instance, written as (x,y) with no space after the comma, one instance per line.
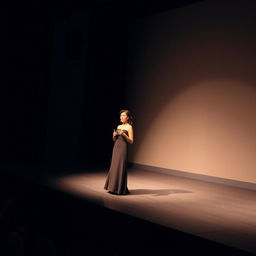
(116,181)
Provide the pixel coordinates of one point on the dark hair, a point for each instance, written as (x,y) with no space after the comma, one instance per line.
(129,115)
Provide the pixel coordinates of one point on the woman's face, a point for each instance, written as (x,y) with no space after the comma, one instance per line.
(123,117)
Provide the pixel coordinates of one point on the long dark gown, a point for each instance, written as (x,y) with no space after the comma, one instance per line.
(116,181)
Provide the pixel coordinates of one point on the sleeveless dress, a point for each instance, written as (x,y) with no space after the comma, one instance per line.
(116,181)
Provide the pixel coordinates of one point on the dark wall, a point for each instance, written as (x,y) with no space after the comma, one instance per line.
(105,95)
(67,84)
(86,87)
(63,83)
(25,55)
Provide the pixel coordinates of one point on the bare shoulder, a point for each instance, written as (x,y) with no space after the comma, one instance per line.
(130,127)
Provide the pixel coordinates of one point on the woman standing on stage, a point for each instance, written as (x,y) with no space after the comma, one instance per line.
(116,182)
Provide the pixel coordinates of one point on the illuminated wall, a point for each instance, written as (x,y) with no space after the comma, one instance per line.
(192,87)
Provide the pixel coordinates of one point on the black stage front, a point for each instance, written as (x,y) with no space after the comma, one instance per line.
(67,212)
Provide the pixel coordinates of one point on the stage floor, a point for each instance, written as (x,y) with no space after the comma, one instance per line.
(220,213)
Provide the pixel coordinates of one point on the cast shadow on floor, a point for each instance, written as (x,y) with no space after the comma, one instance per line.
(158,192)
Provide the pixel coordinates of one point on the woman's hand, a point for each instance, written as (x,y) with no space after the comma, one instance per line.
(114,133)
(121,132)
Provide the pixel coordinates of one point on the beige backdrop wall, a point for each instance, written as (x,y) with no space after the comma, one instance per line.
(192,87)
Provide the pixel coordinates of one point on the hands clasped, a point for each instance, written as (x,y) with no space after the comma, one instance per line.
(118,132)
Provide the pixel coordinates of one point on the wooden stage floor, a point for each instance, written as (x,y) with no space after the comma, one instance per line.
(220,213)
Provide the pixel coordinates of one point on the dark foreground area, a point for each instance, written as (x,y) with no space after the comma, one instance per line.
(38,220)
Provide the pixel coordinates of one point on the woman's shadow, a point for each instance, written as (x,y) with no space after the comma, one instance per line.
(158,192)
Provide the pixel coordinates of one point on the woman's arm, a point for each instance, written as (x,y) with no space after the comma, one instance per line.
(114,135)
(130,137)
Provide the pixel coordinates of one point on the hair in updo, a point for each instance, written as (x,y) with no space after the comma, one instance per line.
(129,115)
